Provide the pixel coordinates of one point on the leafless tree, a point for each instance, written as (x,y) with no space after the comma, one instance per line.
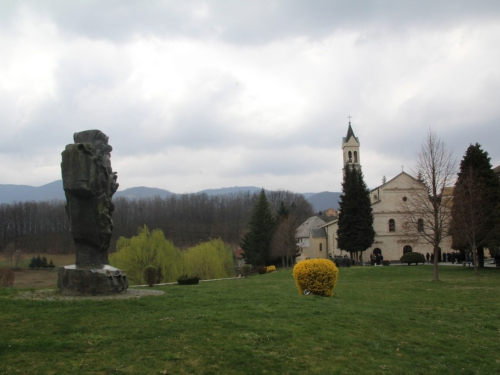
(283,243)
(427,211)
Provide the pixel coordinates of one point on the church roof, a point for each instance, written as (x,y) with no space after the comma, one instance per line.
(394,178)
(350,133)
(312,223)
(318,233)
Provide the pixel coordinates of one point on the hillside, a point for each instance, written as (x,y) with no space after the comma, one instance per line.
(54,190)
(324,200)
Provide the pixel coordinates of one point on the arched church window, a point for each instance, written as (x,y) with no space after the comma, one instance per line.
(392,225)
(349,156)
(407,249)
(420,225)
(355,156)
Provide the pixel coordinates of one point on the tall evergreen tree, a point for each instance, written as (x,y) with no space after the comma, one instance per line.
(476,204)
(257,241)
(355,231)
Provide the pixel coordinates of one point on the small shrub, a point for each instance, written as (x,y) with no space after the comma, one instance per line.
(342,261)
(6,277)
(32,262)
(386,262)
(262,270)
(150,275)
(412,257)
(319,276)
(271,269)
(246,269)
(188,280)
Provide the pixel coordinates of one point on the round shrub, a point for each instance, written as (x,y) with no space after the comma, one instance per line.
(318,276)
(271,269)
(246,270)
(412,257)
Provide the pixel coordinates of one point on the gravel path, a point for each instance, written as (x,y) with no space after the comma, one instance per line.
(55,295)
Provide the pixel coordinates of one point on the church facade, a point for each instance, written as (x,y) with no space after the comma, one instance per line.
(391,241)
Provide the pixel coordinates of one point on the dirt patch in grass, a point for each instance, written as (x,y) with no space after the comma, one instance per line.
(35,279)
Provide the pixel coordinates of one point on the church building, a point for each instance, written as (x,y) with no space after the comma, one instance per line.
(391,241)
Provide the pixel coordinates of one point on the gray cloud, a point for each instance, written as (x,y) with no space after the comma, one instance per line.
(249,22)
(215,93)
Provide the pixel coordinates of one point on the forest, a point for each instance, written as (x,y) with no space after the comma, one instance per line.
(186,220)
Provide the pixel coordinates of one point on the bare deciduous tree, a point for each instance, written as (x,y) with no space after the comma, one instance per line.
(427,211)
(283,243)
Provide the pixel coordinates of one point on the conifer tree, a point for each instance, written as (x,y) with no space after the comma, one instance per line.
(256,243)
(355,231)
(476,201)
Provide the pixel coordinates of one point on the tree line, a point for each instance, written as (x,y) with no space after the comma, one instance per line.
(186,220)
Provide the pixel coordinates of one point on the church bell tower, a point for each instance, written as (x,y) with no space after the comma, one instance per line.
(350,149)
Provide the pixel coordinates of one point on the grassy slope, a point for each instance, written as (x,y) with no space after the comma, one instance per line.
(380,320)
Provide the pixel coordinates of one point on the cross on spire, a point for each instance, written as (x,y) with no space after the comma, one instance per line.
(349,117)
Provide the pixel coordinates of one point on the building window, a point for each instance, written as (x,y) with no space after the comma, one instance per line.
(320,247)
(355,156)
(407,249)
(420,225)
(349,157)
(392,225)
(405,199)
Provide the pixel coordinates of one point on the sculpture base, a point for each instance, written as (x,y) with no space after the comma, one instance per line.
(104,280)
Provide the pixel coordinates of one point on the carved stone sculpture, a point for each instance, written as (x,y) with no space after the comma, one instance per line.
(89,184)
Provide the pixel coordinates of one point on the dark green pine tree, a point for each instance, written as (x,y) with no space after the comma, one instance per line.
(257,242)
(283,211)
(476,197)
(355,231)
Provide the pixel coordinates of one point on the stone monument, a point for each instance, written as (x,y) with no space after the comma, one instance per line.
(89,183)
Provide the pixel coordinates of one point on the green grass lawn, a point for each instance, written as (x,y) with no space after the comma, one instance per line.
(392,320)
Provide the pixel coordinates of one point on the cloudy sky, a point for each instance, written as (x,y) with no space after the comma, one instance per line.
(207,94)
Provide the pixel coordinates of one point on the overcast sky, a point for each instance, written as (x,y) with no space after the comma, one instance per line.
(207,94)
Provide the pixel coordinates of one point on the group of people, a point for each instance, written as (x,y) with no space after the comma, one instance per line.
(376,259)
(455,257)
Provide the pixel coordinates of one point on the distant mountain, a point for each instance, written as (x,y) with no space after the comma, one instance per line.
(231,190)
(54,190)
(142,192)
(25,193)
(324,200)
(307,195)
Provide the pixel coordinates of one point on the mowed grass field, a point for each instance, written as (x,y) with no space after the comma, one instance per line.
(381,320)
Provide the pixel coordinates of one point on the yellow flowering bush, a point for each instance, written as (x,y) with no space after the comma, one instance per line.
(271,269)
(319,276)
